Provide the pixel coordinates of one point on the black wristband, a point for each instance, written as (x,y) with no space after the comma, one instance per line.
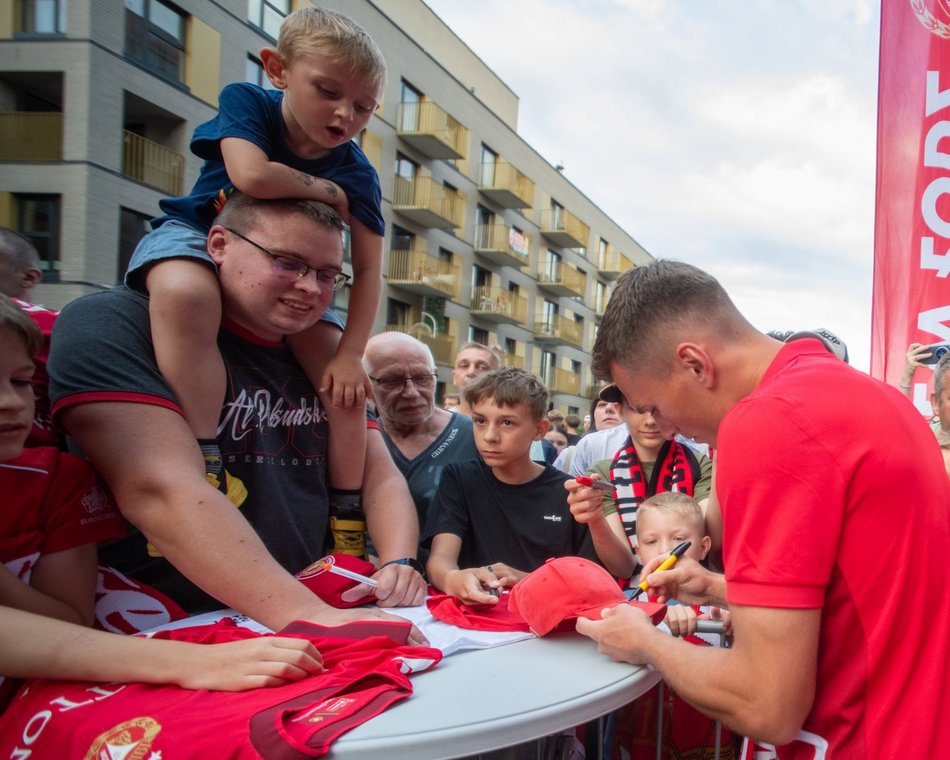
(411,561)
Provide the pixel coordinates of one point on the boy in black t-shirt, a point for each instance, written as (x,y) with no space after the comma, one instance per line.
(496,519)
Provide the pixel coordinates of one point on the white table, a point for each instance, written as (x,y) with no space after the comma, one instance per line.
(481,700)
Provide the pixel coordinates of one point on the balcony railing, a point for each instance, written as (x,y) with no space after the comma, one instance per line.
(613,263)
(499,305)
(505,185)
(428,202)
(558,329)
(430,130)
(564,229)
(414,269)
(152,164)
(513,360)
(31,136)
(442,345)
(561,279)
(503,244)
(561,381)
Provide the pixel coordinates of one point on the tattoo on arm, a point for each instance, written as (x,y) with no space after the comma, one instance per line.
(330,189)
(304,179)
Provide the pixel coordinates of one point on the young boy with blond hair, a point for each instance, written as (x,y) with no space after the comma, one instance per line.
(54,512)
(291,142)
(496,519)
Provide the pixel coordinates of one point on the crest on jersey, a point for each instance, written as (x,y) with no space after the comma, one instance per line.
(131,740)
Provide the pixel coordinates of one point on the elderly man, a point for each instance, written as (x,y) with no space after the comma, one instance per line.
(828,660)
(422,438)
(278,263)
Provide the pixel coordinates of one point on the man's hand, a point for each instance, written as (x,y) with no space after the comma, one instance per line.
(687,581)
(397,586)
(335,617)
(619,633)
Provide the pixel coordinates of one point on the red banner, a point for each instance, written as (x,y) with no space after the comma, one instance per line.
(912,225)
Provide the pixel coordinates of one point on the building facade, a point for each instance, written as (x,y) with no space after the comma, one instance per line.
(485,239)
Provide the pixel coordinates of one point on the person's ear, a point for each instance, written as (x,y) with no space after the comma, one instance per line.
(274,67)
(217,243)
(541,429)
(706,545)
(31,278)
(934,404)
(696,360)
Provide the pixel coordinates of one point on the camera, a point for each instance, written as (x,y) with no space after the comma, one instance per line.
(937,352)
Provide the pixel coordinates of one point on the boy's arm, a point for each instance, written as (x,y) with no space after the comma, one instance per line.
(62,586)
(610,541)
(33,646)
(469,585)
(253,173)
(344,375)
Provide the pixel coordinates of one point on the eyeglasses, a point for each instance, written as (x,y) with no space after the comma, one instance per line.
(290,268)
(422,382)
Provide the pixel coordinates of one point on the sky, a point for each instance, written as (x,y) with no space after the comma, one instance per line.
(736,136)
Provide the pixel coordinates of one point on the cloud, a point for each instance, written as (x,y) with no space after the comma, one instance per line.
(737,136)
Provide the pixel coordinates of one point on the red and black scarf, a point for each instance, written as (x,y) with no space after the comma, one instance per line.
(676,469)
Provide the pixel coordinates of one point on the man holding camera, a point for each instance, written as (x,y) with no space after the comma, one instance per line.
(921,355)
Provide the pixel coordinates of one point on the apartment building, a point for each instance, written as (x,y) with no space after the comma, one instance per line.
(485,239)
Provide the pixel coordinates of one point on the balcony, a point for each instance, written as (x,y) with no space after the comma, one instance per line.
(557,329)
(561,381)
(613,263)
(31,136)
(564,229)
(503,184)
(429,203)
(442,345)
(561,279)
(152,164)
(503,245)
(513,360)
(431,131)
(417,271)
(499,305)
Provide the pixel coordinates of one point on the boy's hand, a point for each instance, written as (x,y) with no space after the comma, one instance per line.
(586,502)
(250,664)
(681,618)
(346,381)
(717,613)
(472,585)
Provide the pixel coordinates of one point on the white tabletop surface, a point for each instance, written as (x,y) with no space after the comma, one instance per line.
(480,700)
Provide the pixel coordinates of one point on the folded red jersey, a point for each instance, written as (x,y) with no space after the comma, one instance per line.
(566,588)
(480,617)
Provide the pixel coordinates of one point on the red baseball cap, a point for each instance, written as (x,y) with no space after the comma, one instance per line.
(564,588)
(329,586)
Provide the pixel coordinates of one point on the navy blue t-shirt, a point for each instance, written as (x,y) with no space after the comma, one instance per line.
(253,113)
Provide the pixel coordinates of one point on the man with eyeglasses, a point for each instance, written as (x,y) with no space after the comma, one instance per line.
(422,438)
(279,262)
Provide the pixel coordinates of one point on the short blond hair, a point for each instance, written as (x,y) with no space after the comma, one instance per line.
(319,31)
(677,503)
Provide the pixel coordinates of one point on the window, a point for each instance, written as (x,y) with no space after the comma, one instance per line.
(489,158)
(481,277)
(402,239)
(545,370)
(478,335)
(410,100)
(552,267)
(549,312)
(397,313)
(155,37)
(133,226)
(254,73)
(484,219)
(38,220)
(42,17)
(268,15)
(600,297)
(511,346)
(557,215)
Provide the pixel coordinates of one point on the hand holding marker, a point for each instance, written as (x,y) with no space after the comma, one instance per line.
(678,552)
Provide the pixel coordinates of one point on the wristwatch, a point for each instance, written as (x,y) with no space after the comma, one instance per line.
(411,561)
